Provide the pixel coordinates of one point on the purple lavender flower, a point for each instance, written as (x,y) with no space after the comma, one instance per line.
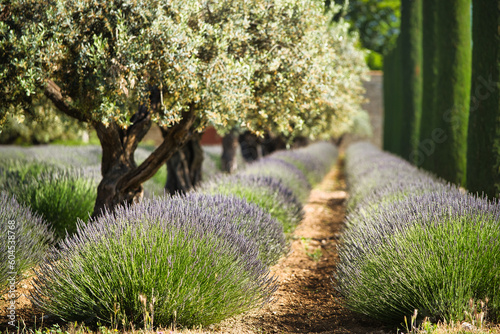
(266,192)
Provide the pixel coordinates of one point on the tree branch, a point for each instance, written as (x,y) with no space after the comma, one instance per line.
(176,137)
(53,92)
(112,149)
(141,123)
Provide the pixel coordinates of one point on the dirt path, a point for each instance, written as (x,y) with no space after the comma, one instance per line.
(306,301)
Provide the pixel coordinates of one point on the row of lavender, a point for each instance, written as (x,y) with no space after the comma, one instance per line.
(192,260)
(414,242)
(57,183)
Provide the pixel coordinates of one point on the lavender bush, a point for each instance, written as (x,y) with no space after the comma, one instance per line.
(278,183)
(60,196)
(372,204)
(314,160)
(176,259)
(413,242)
(289,175)
(249,220)
(266,192)
(368,169)
(29,236)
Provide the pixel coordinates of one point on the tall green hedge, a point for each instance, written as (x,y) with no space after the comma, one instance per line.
(411,61)
(393,101)
(454,47)
(425,154)
(483,156)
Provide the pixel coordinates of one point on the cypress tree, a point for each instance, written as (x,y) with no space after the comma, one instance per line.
(398,100)
(454,49)
(411,70)
(389,70)
(425,154)
(483,157)
(393,100)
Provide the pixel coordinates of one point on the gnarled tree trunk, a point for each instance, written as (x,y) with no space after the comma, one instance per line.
(118,149)
(122,178)
(300,141)
(250,146)
(184,168)
(229,149)
(271,143)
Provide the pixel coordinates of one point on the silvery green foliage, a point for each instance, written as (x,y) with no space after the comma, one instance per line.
(414,242)
(30,234)
(191,257)
(255,64)
(336,58)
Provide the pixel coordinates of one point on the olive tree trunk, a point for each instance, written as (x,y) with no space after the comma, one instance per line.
(250,146)
(184,168)
(272,143)
(122,178)
(229,150)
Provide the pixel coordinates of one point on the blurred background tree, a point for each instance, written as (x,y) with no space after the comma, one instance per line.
(376,21)
(44,124)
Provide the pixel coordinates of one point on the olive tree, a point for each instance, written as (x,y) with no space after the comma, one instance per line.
(286,82)
(312,87)
(120,65)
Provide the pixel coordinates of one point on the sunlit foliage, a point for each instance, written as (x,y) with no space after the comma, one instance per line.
(260,64)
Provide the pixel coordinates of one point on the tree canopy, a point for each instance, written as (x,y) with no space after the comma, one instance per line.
(377,21)
(120,65)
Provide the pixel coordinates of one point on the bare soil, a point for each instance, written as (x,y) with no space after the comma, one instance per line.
(306,301)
